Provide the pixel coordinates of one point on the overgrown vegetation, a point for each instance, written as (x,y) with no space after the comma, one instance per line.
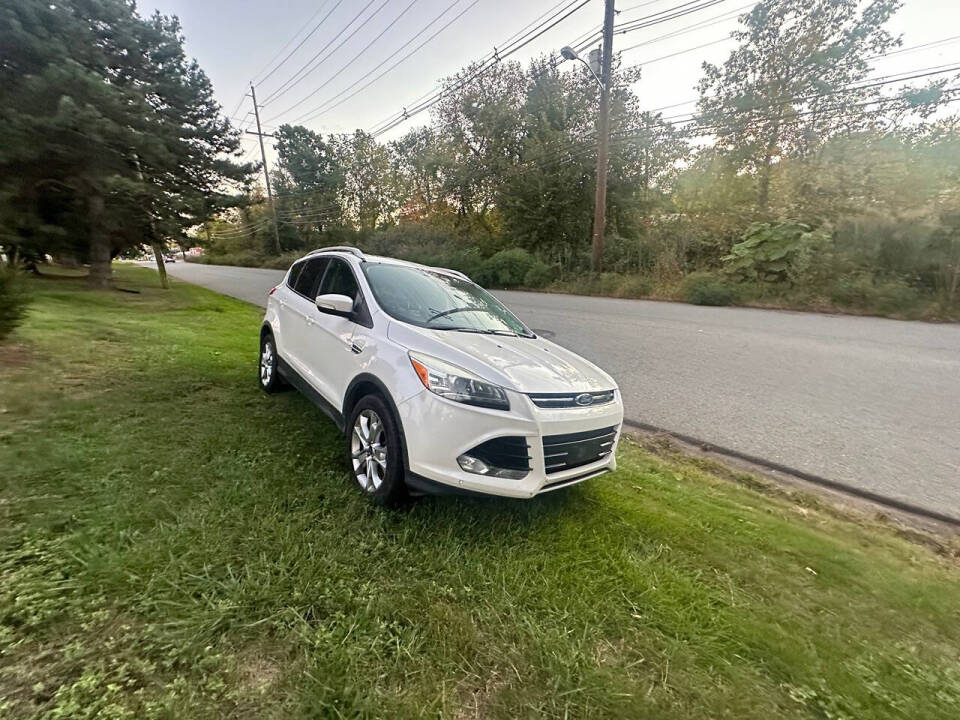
(154,566)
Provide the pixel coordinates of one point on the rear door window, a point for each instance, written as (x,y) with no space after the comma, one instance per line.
(294,274)
(309,277)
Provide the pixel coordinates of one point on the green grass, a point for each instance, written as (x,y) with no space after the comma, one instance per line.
(174,543)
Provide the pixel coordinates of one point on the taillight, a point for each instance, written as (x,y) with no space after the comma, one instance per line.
(272,291)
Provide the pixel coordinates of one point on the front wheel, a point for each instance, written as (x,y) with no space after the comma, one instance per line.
(269,377)
(374,451)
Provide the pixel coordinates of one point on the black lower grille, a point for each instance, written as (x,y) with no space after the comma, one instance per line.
(509,453)
(562,452)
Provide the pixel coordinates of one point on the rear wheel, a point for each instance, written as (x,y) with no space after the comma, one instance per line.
(374,451)
(269,377)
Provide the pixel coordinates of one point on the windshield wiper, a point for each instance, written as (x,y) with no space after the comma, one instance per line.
(456,328)
(451,311)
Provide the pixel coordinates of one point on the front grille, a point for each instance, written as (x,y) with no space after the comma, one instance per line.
(562,452)
(509,453)
(568,400)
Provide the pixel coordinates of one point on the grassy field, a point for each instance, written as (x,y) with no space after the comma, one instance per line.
(174,543)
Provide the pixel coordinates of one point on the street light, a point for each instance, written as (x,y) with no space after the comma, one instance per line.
(569,53)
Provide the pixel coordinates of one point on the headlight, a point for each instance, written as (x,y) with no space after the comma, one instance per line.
(454,383)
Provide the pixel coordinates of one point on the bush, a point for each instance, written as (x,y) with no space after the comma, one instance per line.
(13,301)
(704,288)
(775,252)
(507,268)
(539,275)
(633,286)
(862,292)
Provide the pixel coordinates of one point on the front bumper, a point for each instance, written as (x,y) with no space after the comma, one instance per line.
(438,431)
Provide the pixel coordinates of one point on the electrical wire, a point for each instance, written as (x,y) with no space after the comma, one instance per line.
(312,63)
(723,17)
(485,57)
(347,64)
(322,109)
(299,45)
(518,45)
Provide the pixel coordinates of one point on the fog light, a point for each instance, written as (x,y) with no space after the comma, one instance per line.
(477,466)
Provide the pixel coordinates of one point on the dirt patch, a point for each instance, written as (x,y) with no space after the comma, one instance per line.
(15,355)
(257,673)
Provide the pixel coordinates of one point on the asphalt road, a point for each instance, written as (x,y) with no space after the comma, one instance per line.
(868,402)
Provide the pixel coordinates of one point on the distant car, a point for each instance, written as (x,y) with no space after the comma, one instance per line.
(169,259)
(436,384)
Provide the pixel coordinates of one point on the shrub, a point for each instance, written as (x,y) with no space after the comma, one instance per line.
(704,288)
(539,275)
(632,286)
(775,252)
(507,268)
(13,301)
(862,292)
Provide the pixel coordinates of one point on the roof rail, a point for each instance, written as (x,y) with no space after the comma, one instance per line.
(339,248)
(456,273)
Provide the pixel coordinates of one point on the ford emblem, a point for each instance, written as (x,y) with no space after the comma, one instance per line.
(584,399)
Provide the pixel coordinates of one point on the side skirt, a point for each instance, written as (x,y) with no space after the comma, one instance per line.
(307,390)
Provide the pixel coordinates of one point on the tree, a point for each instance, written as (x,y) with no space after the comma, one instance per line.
(420,158)
(309,178)
(479,119)
(105,117)
(788,86)
(369,192)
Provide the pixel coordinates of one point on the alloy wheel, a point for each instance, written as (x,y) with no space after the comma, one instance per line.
(266,363)
(368,450)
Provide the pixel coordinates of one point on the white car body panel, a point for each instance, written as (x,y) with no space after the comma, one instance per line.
(329,352)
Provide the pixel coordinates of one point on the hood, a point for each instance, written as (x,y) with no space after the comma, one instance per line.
(528,365)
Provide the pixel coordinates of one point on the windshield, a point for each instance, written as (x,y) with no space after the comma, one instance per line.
(439,301)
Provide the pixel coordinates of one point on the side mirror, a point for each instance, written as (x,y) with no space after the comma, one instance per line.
(334,304)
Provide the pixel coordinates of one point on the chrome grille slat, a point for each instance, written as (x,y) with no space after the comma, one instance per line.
(569,400)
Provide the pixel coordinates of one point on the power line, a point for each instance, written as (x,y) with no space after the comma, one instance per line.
(723,17)
(320,110)
(326,106)
(855,85)
(348,62)
(651,61)
(299,45)
(518,45)
(647,21)
(485,57)
(306,68)
(673,13)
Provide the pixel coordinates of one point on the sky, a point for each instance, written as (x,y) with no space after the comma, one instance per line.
(236,41)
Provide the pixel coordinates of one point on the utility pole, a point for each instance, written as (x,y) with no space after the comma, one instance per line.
(603,141)
(266,172)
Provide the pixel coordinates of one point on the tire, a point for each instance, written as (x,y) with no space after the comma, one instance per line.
(375,452)
(268,372)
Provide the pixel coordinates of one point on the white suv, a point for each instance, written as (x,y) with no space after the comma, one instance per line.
(436,384)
